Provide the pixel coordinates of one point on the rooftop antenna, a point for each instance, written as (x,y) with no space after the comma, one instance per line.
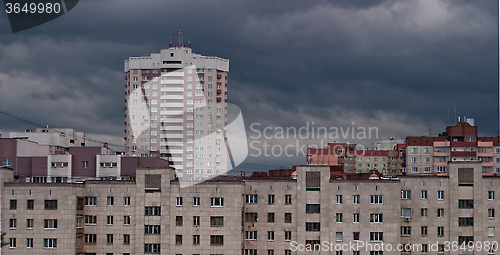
(455,106)
(448,116)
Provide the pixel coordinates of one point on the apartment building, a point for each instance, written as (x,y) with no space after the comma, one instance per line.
(263,214)
(176,109)
(431,154)
(358,160)
(34,162)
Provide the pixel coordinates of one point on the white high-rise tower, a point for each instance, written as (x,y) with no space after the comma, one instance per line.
(175,108)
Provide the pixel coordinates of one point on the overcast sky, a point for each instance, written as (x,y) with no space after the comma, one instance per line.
(397,65)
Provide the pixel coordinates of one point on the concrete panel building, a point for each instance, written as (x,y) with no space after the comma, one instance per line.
(275,213)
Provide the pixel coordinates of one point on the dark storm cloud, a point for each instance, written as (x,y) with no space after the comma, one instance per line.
(398,65)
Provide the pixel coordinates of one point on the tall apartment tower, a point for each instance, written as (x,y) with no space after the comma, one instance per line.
(175,108)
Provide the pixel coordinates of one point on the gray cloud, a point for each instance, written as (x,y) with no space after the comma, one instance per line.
(398,65)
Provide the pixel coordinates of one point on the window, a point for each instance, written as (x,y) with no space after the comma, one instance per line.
(196,221)
(465,204)
(178,201)
(376,236)
(250,235)
(126,239)
(178,239)
(196,201)
(440,248)
(110,220)
(85,164)
(405,212)
(338,217)
(491,231)
(491,195)
(30,204)
(339,199)
(312,226)
(406,194)
(270,217)
(288,252)
(405,230)
(90,219)
(414,169)
(126,201)
(152,248)
(376,199)
(216,221)
(491,213)
(50,224)
(465,221)
(440,194)
(288,235)
(440,213)
(424,194)
(12,223)
(251,199)
(312,208)
(423,212)
(423,230)
(440,231)
(270,235)
(152,211)
(288,199)
(196,239)
(288,218)
(6,162)
(355,236)
(152,229)
(91,201)
(250,217)
(217,202)
(216,240)
(355,217)
(178,220)
(29,242)
(126,220)
(376,218)
(465,239)
(109,238)
(50,243)
(249,251)
(414,160)
(355,199)
(13,204)
(339,236)
(12,243)
(110,201)
(270,199)
(29,223)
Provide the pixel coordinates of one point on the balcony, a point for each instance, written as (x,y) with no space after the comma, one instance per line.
(462,144)
(487,163)
(440,163)
(219,99)
(442,144)
(463,153)
(219,76)
(485,154)
(441,154)
(219,92)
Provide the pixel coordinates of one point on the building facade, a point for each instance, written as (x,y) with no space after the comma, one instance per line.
(176,108)
(256,215)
